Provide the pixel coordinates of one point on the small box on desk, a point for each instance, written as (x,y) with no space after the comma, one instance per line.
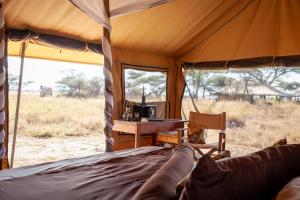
(144,111)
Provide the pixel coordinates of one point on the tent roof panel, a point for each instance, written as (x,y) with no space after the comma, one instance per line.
(170,29)
(189,30)
(263,29)
(57,17)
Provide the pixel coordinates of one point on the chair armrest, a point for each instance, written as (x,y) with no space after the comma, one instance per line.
(180,132)
(204,146)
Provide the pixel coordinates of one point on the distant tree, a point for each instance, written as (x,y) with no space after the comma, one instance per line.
(198,79)
(268,76)
(134,75)
(134,83)
(154,83)
(76,85)
(217,82)
(13,82)
(94,86)
(289,85)
(272,75)
(246,80)
(72,85)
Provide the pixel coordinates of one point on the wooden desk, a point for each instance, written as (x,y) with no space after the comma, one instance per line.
(151,127)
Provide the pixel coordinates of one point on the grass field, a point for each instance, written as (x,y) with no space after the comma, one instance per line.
(54,128)
(57,116)
(258,125)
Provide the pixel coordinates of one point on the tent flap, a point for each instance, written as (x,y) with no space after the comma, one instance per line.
(57,54)
(52,41)
(284,61)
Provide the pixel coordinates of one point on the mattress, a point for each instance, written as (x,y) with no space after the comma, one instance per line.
(116,175)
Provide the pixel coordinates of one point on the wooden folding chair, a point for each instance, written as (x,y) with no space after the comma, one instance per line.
(203,121)
(213,122)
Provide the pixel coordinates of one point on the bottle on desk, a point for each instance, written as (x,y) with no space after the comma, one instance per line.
(127,115)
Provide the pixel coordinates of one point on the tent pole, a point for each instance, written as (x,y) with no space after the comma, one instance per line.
(23,48)
(5,164)
(3,93)
(108,83)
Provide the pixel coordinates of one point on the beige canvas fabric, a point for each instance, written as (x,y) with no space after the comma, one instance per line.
(124,7)
(54,53)
(263,28)
(95,9)
(187,30)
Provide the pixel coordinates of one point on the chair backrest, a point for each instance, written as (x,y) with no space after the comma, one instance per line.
(208,121)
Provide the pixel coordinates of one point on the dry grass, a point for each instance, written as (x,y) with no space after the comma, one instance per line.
(57,128)
(57,116)
(257,125)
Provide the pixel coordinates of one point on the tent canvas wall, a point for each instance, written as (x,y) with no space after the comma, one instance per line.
(163,33)
(187,30)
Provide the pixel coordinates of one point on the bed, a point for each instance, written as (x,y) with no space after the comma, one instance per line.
(117,175)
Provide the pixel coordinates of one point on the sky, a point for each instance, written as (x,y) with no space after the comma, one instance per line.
(47,72)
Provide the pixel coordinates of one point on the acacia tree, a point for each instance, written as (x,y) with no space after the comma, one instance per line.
(76,85)
(133,84)
(198,80)
(72,85)
(246,81)
(154,83)
(289,85)
(13,82)
(270,76)
(94,86)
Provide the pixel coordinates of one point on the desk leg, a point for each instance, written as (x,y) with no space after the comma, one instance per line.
(137,142)
(154,139)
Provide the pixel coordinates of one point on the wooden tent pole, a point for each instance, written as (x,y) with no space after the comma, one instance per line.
(5,164)
(3,85)
(108,83)
(23,48)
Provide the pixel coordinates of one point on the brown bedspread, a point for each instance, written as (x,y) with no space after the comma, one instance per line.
(114,176)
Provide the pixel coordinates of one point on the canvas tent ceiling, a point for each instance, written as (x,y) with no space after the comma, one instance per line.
(189,30)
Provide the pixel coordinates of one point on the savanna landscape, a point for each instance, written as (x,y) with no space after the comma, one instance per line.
(54,128)
(70,123)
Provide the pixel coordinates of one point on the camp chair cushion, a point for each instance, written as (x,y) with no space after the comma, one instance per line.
(196,134)
(257,176)
(169,133)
